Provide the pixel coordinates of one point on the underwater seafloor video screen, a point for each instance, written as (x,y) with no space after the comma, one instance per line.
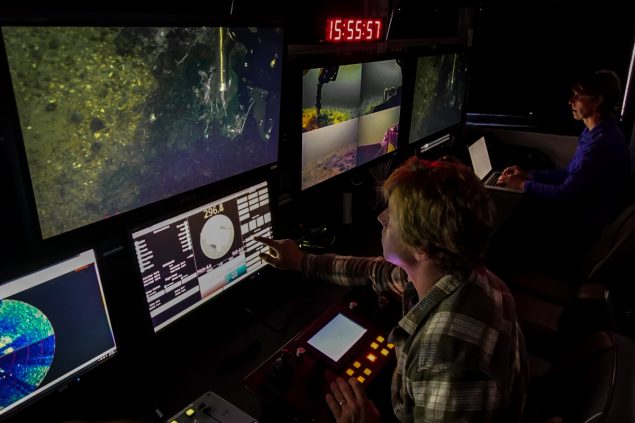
(439,94)
(114,118)
(350,116)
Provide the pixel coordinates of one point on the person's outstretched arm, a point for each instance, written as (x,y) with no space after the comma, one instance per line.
(341,270)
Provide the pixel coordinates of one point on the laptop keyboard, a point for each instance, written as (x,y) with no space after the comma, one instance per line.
(492,179)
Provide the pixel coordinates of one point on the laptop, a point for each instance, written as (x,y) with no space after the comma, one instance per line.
(483,166)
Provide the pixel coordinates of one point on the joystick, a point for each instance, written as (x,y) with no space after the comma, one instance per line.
(280,372)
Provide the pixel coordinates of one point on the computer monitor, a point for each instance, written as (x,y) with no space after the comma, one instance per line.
(350,116)
(54,326)
(189,258)
(115,117)
(439,94)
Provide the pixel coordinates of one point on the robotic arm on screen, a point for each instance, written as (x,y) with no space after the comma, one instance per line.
(327,74)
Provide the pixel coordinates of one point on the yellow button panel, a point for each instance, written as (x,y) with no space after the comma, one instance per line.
(373,359)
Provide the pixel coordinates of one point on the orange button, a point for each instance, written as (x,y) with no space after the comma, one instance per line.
(361,379)
(350,372)
(367,372)
(391,346)
(357,364)
(371,357)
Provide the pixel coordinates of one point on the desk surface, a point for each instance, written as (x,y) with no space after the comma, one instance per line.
(505,203)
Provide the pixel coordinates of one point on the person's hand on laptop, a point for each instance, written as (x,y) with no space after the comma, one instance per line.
(515,171)
(513,177)
(512,181)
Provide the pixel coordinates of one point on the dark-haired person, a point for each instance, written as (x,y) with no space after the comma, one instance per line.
(460,352)
(565,209)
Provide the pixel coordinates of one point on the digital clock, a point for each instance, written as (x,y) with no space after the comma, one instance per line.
(353,29)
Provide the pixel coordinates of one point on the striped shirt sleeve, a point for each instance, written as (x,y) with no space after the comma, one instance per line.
(355,271)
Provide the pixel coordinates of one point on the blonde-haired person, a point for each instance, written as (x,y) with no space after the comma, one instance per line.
(460,352)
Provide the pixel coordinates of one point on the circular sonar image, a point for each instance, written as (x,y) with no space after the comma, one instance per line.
(217,236)
(27,346)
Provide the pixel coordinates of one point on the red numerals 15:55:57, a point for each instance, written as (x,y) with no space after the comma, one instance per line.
(343,29)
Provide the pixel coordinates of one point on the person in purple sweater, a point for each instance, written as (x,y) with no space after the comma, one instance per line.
(567,208)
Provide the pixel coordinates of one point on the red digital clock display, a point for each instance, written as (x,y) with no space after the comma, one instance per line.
(350,29)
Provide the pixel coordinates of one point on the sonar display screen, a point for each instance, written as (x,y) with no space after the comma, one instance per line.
(188,259)
(114,118)
(54,326)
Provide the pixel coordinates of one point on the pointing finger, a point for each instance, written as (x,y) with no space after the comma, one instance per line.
(267,241)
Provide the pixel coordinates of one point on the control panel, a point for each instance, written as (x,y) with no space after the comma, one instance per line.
(210,407)
(345,341)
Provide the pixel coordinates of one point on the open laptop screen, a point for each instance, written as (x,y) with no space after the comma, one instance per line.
(480,158)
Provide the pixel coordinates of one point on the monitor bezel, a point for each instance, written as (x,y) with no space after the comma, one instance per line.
(316,61)
(183,323)
(25,268)
(14,147)
(418,145)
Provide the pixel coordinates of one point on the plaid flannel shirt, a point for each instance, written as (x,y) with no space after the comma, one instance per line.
(460,352)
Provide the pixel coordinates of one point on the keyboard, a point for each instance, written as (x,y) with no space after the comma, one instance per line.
(492,179)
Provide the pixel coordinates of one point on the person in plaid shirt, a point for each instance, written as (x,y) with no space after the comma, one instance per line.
(460,352)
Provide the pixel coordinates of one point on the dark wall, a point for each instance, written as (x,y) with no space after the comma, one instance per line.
(526,54)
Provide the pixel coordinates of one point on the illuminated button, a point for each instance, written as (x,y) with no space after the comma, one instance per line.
(361,379)
(380,339)
(374,345)
(367,372)
(190,411)
(384,352)
(357,364)
(174,421)
(391,346)
(371,357)
(350,372)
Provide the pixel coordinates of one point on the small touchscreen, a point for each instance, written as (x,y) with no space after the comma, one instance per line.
(337,337)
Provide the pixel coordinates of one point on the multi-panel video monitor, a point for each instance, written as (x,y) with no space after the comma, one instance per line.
(350,116)
(187,259)
(54,326)
(117,117)
(439,94)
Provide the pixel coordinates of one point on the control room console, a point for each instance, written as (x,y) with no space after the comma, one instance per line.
(348,340)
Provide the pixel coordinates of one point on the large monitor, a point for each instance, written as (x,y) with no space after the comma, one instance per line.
(54,326)
(350,116)
(189,258)
(113,118)
(439,94)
